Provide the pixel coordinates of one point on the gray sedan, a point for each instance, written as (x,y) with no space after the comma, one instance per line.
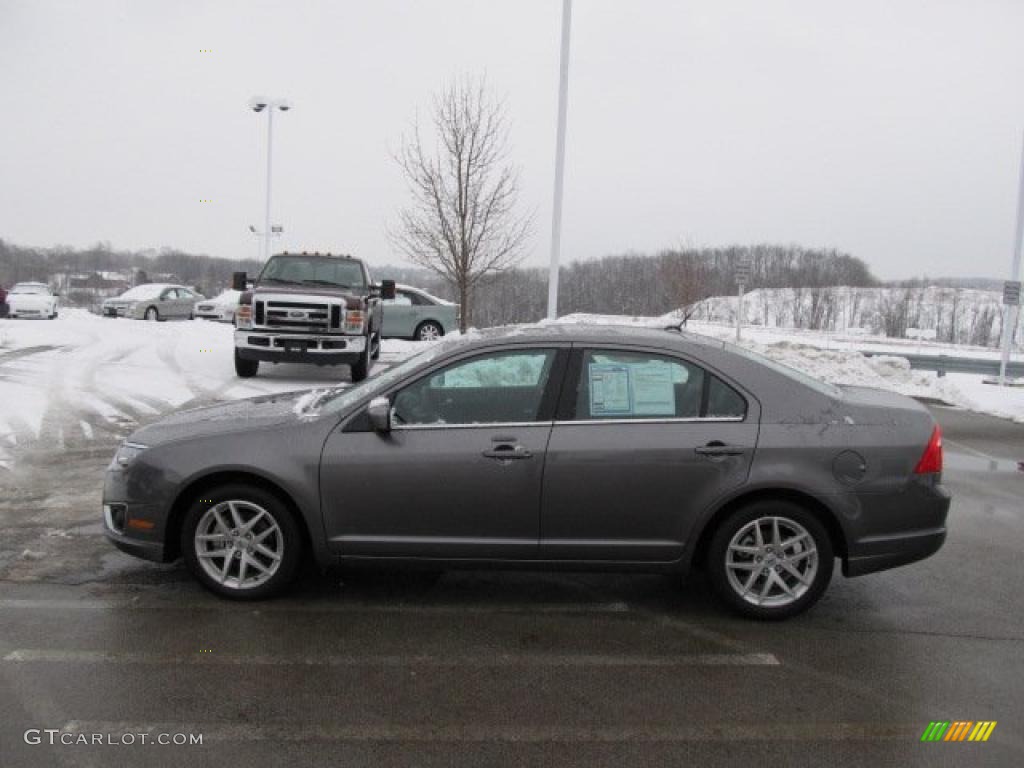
(564,446)
(153,301)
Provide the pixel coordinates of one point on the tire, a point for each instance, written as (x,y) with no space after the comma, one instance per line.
(375,355)
(152,315)
(740,577)
(361,369)
(245,369)
(428,330)
(268,569)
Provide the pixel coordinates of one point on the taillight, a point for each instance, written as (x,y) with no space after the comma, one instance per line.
(931,459)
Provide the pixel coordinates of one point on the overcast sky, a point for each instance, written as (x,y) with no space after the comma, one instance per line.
(889,129)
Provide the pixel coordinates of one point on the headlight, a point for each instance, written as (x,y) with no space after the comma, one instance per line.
(243,316)
(126,455)
(354,320)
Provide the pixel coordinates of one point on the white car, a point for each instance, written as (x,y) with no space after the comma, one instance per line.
(32,300)
(220,307)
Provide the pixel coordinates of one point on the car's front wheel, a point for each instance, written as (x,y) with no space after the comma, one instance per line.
(241,542)
(152,314)
(770,560)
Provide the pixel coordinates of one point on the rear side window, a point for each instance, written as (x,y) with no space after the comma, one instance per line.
(640,385)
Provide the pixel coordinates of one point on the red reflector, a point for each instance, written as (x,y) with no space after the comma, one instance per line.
(931,459)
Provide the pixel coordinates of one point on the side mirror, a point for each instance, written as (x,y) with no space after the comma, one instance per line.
(238,280)
(387,289)
(379,411)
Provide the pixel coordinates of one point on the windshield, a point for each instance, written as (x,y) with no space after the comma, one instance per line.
(149,291)
(29,288)
(314,270)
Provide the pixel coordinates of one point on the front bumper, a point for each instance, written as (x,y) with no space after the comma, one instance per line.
(321,349)
(148,544)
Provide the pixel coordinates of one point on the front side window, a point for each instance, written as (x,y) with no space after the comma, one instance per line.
(641,385)
(499,387)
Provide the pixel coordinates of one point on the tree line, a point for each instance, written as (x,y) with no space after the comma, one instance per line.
(208,274)
(645,284)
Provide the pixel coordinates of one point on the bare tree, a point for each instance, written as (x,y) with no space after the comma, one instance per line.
(462,222)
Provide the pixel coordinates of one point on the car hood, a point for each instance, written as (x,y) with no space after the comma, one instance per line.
(257,413)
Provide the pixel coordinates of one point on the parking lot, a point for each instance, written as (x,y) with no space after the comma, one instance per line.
(483,668)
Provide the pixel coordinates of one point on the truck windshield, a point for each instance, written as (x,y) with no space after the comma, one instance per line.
(314,270)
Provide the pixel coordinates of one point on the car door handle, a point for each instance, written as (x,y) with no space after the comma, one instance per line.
(719,449)
(506,451)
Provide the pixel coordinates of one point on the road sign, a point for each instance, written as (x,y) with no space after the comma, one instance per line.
(1011,293)
(743,272)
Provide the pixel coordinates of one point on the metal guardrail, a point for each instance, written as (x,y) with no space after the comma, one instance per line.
(950,364)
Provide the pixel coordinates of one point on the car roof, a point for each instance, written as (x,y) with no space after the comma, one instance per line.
(30,282)
(593,333)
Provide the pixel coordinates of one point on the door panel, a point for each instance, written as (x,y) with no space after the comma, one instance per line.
(432,492)
(644,442)
(620,491)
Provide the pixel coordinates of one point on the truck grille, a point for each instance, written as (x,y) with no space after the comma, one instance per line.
(295,315)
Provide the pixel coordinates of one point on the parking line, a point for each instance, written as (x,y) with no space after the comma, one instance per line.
(716,731)
(137,603)
(58,656)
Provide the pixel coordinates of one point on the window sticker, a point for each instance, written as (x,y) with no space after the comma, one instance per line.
(632,389)
(654,390)
(610,390)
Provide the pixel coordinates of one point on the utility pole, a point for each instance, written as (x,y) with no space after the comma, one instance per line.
(556,215)
(742,278)
(1011,290)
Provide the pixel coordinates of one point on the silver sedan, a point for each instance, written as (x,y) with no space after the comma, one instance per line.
(153,301)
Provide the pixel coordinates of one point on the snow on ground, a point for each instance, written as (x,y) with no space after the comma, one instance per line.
(81,378)
(67,381)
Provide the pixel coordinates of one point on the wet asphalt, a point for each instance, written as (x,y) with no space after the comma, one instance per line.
(491,668)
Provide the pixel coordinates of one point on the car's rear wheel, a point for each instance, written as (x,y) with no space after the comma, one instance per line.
(429,331)
(375,355)
(246,369)
(241,542)
(770,560)
(152,314)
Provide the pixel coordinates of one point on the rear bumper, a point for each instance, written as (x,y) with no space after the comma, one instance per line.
(893,551)
(299,348)
(923,510)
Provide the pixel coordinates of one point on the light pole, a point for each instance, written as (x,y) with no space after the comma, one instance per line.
(556,216)
(258,104)
(1011,302)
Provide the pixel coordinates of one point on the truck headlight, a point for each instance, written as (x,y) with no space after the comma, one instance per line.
(243,316)
(354,320)
(126,454)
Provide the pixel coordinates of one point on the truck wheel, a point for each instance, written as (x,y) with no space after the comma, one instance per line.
(375,355)
(245,369)
(361,368)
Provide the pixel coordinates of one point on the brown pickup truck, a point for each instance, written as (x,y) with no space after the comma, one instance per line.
(309,308)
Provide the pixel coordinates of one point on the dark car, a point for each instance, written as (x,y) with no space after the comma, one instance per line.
(561,446)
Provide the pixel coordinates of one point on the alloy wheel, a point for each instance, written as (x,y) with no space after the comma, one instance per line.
(429,332)
(239,544)
(771,561)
